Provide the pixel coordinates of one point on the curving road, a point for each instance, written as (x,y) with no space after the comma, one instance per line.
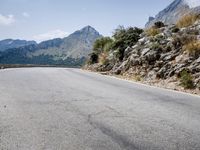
(71,109)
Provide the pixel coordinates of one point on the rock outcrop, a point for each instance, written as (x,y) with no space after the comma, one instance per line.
(159,58)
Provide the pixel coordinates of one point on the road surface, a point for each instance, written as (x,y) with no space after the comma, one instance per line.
(71,109)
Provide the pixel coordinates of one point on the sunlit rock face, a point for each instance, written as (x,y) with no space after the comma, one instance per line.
(175,11)
(192,3)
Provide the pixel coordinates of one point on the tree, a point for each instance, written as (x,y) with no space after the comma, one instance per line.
(102,44)
(124,38)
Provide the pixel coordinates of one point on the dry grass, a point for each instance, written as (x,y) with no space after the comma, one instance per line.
(187,20)
(192,47)
(103,58)
(152,31)
(181,40)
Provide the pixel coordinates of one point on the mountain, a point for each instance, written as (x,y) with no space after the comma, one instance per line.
(76,45)
(72,50)
(10,43)
(175,11)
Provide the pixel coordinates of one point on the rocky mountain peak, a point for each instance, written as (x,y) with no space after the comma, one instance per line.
(175,11)
(81,41)
(88,30)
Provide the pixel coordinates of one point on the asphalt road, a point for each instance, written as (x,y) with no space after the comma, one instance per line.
(71,109)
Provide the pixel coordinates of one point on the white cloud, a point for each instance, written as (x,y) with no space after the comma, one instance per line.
(50,35)
(26,15)
(6,20)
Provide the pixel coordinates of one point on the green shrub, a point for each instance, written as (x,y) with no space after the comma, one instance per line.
(99,45)
(156,46)
(119,54)
(108,47)
(186,80)
(159,24)
(93,58)
(159,38)
(124,38)
(175,30)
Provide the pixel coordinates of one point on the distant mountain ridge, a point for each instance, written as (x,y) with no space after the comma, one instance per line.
(72,50)
(10,43)
(175,11)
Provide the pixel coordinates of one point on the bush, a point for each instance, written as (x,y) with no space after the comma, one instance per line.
(156,46)
(99,45)
(187,20)
(124,38)
(186,80)
(159,24)
(93,58)
(159,38)
(138,78)
(179,41)
(152,31)
(108,47)
(175,30)
(103,59)
(119,54)
(193,47)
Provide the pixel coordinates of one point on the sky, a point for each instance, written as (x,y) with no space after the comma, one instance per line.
(46,19)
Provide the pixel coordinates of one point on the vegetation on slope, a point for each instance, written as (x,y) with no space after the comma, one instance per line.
(121,39)
(161,52)
(187,20)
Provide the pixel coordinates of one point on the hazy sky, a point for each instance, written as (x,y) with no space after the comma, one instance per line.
(46,19)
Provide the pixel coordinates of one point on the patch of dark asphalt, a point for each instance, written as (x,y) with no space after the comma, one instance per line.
(121,140)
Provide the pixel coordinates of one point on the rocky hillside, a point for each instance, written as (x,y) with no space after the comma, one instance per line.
(176,10)
(76,46)
(70,51)
(162,55)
